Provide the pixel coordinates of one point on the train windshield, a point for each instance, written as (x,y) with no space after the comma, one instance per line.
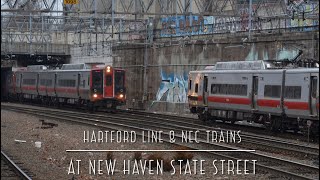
(119,81)
(97,81)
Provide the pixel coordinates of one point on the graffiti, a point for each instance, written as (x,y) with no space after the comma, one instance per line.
(173,88)
(253,54)
(135,29)
(199,25)
(282,54)
(186,25)
(286,54)
(256,24)
(307,23)
(226,24)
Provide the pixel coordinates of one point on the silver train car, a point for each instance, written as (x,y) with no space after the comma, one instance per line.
(94,86)
(281,99)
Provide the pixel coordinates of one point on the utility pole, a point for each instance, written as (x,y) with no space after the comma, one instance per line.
(148,41)
(250,18)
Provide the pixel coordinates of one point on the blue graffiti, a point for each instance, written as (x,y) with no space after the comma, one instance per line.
(173,88)
(186,25)
(308,24)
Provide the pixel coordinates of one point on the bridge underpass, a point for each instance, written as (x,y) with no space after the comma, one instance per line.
(23,54)
(5,71)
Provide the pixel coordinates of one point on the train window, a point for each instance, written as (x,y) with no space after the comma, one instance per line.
(196,90)
(229,89)
(314,87)
(292,92)
(215,88)
(67,83)
(97,80)
(29,81)
(119,79)
(42,82)
(49,82)
(108,80)
(190,84)
(273,91)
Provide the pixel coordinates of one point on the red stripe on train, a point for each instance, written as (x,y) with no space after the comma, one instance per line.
(33,88)
(260,102)
(67,90)
(297,105)
(42,88)
(268,103)
(50,89)
(228,100)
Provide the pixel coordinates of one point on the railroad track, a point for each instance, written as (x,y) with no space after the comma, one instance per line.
(10,169)
(253,128)
(260,142)
(278,166)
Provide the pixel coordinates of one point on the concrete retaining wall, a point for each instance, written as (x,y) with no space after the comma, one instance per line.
(168,66)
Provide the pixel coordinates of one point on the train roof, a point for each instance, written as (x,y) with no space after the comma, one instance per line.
(250,67)
(298,70)
(81,66)
(243,65)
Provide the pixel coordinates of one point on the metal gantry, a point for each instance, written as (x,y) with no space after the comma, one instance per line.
(48,26)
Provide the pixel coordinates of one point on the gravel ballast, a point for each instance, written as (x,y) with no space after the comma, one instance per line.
(51,161)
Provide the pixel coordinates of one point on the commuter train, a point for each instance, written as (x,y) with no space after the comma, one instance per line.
(91,85)
(257,91)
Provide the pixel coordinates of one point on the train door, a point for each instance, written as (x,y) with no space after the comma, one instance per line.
(55,84)
(20,83)
(255,90)
(205,90)
(78,86)
(314,98)
(108,90)
(38,82)
(119,84)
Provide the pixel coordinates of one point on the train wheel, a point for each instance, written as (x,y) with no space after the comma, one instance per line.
(274,124)
(90,107)
(21,99)
(56,103)
(204,116)
(93,109)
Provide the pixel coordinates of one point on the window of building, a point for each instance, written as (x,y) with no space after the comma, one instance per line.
(273,91)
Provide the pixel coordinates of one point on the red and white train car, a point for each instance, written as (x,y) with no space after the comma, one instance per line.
(255,91)
(92,85)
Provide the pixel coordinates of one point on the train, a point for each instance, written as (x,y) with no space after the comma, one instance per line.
(93,86)
(257,91)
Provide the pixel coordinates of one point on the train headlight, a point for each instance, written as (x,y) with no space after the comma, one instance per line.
(95,95)
(108,69)
(121,96)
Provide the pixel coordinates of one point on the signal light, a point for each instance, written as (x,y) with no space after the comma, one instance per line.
(95,95)
(121,96)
